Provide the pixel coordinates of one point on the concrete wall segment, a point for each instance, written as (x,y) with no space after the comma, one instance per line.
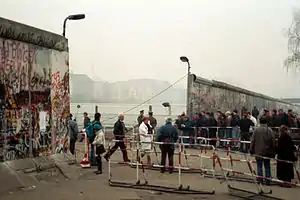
(34,91)
(16,31)
(212,95)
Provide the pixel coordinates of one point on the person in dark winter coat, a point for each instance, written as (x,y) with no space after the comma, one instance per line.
(178,122)
(86,119)
(255,112)
(268,117)
(203,123)
(119,132)
(274,122)
(188,131)
(73,134)
(245,123)
(263,146)
(291,118)
(169,135)
(285,151)
(212,122)
(283,118)
(222,130)
(234,124)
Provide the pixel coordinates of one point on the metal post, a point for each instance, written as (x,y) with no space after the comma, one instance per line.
(137,165)
(170,110)
(188,91)
(150,108)
(109,166)
(96,109)
(179,165)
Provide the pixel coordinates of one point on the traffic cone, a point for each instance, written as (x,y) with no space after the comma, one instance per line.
(85,162)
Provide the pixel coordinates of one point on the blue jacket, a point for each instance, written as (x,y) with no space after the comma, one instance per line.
(167,133)
(73,130)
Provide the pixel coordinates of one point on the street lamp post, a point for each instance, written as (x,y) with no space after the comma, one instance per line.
(167,105)
(71,17)
(186,60)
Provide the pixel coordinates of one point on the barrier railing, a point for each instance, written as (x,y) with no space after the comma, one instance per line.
(214,156)
(138,164)
(207,152)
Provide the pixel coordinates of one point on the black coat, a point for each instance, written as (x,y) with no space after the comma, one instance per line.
(212,122)
(283,119)
(119,130)
(245,124)
(234,120)
(285,151)
(255,112)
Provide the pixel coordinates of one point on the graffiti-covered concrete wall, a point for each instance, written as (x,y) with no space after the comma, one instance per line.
(34,90)
(211,95)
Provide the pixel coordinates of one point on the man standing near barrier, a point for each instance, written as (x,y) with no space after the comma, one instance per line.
(235,129)
(263,146)
(169,135)
(255,112)
(245,123)
(140,117)
(119,132)
(153,121)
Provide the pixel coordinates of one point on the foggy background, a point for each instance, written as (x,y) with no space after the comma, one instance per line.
(239,42)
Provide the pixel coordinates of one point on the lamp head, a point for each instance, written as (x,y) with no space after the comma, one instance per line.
(76,17)
(184,59)
(166,104)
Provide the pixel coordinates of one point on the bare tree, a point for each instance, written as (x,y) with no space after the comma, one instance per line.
(293,34)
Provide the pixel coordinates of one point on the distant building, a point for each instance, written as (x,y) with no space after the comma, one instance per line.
(82,88)
(85,90)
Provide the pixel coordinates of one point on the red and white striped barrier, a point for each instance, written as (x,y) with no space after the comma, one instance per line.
(85,162)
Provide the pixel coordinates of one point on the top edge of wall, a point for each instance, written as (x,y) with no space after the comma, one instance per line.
(24,33)
(226,86)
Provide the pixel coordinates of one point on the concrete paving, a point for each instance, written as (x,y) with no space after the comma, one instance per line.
(73,182)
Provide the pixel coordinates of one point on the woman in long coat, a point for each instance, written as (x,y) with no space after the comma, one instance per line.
(285,151)
(146,138)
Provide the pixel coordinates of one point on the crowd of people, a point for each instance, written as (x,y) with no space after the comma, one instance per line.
(232,125)
(249,126)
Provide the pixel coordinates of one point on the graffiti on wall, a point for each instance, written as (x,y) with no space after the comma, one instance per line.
(60,104)
(27,84)
(207,95)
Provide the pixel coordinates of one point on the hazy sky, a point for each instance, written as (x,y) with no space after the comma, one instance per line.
(237,41)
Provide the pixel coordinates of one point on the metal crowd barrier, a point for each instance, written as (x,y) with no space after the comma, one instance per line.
(139,165)
(207,152)
(216,159)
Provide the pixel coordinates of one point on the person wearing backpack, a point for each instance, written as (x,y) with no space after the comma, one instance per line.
(91,134)
(73,134)
(169,135)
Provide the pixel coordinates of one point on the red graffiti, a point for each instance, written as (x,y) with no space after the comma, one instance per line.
(14,54)
(38,98)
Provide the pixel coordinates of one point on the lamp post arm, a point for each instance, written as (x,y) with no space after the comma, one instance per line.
(64,26)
